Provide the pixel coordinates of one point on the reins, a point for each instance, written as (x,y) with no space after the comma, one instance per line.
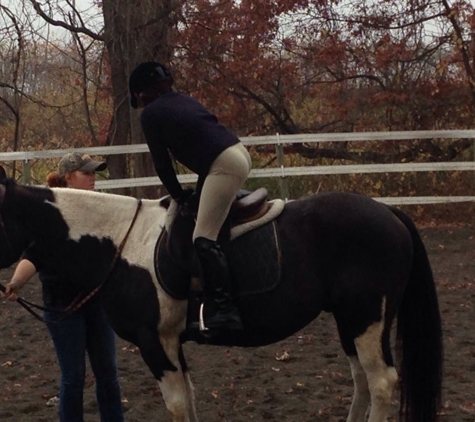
(80,300)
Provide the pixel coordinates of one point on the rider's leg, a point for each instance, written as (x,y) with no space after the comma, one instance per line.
(220,312)
(226,176)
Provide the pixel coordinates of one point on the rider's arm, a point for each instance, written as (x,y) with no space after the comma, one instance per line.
(160,155)
(164,168)
(24,271)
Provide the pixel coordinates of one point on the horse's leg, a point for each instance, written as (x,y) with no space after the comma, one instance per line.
(372,367)
(190,391)
(361,395)
(378,366)
(191,396)
(165,359)
(180,382)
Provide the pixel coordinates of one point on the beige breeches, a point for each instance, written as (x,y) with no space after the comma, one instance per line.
(227,174)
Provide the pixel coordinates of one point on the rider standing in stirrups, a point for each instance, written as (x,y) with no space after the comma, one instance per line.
(174,123)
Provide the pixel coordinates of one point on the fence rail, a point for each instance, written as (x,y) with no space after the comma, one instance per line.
(282,171)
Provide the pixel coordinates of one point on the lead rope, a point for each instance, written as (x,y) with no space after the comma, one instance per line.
(80,300)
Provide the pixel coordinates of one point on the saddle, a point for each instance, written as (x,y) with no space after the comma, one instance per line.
(249,206)
(249,239)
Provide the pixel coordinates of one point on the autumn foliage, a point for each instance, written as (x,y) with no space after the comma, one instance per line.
(263,67)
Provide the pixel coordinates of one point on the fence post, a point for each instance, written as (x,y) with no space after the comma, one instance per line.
(284,187)
(26,172)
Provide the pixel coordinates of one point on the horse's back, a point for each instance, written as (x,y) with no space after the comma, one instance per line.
(351,244)
(346,210)
(343,219)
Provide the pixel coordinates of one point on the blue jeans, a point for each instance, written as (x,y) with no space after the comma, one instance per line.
(87,330)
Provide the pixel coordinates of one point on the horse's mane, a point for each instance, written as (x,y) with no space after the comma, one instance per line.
(82,211)
(40,191)
(98,202)
(101,197)
(94,196)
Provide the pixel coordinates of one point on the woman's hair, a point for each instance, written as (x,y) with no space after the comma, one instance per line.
(54,180)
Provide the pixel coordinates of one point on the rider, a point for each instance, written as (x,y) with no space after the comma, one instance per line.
(174,123)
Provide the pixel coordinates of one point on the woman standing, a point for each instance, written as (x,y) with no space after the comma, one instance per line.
(86,331)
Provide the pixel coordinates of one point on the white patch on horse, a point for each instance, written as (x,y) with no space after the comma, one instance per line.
(381,378)
(175,385)
(173,389)
(112,219)
(361,396)
(171,214)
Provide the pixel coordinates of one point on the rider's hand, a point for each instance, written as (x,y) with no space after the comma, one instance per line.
(185,195)
(188,202)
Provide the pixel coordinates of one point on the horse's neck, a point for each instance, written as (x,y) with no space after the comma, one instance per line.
(94,213)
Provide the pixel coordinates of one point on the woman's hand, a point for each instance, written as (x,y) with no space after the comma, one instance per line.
(23,272)
(12,289)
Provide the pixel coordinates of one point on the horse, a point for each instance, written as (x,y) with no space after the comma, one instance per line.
(337,252)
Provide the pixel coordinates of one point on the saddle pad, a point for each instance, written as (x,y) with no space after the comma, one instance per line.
(254,261)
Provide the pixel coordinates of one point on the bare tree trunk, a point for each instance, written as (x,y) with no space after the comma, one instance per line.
(134,31)
(119,129)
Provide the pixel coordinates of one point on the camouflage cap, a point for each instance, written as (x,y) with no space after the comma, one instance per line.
(74,161)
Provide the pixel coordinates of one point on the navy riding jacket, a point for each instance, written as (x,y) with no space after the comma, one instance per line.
(180,125)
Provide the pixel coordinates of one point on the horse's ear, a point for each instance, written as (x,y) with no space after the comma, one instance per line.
(3,175)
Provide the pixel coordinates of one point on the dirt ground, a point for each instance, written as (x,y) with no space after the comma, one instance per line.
(304,378)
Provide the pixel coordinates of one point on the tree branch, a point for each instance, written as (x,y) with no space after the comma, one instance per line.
(62,24)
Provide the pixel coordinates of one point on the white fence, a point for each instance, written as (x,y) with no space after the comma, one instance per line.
(284,172)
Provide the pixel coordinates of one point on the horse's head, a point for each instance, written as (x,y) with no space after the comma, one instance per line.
(25,211)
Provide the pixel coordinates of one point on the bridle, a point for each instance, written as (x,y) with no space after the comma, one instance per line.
(81,298)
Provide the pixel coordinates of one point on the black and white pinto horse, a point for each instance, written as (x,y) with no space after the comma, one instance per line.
(341,253)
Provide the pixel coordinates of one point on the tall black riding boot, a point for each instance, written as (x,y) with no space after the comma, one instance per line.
(220,312)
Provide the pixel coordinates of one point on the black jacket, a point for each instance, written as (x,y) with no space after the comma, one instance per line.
(57,292)
(178,124)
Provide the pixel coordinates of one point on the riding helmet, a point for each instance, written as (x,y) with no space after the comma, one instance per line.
(144,75)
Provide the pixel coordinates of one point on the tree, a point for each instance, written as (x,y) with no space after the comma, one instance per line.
(282,66)
(12,63)
(133,34)
(331,66)
(130,34)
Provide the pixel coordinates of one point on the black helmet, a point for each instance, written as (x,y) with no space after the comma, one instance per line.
(144,75)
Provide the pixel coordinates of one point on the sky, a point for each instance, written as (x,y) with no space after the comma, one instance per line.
(89,12)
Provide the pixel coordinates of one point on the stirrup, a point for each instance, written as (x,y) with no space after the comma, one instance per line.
(203,327)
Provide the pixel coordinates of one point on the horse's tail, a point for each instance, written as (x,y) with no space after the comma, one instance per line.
(419,337)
